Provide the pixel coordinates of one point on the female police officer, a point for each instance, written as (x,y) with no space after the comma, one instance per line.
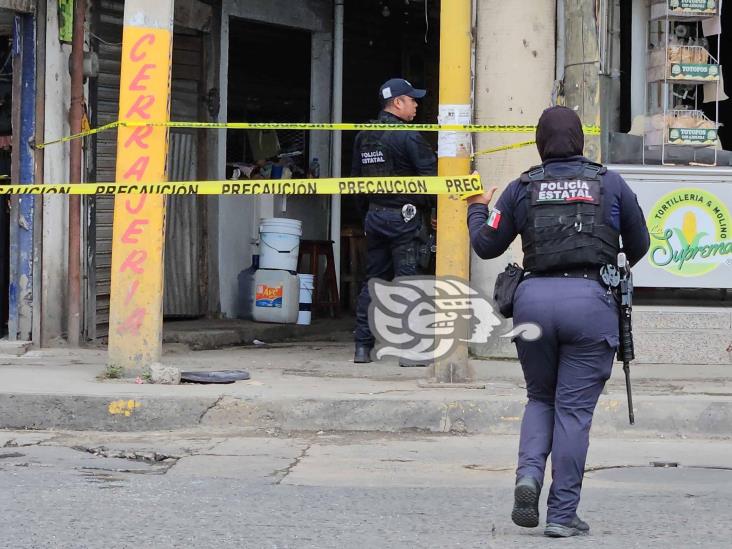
(570,214)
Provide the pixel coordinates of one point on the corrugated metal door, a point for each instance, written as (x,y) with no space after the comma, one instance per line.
(104,100)
(184,237)
(185,224)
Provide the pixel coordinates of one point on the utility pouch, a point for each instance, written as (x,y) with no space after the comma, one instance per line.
(506,284)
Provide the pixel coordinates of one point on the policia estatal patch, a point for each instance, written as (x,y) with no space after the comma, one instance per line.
(563,191)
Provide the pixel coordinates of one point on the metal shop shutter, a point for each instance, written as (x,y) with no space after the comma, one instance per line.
(185,257)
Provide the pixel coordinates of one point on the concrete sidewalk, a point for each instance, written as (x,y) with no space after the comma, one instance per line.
(315,386)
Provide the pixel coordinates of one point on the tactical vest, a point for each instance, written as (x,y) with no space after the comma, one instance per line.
(565,227)
(374,155)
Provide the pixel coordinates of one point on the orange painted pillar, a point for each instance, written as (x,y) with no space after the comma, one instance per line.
(136,308)
(453,242)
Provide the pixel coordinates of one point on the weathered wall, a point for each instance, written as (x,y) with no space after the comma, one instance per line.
(21,5)
(56,170)
(515,67)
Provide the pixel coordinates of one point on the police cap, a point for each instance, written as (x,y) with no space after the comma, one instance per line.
(398,86)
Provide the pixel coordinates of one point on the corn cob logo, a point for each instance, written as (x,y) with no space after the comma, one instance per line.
(690,233)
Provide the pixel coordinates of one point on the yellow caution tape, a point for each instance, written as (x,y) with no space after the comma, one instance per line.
(504,148)
(87,133)
(384,185)
(472,128)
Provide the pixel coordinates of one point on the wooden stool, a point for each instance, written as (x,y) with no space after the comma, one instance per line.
(314,249)
(353,245)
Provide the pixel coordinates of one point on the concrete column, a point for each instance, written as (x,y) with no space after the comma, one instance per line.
(639,59)
(55,169)
(136,308)
(515,64)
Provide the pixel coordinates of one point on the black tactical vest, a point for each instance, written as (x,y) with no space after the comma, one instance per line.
(375,156)
(565,227)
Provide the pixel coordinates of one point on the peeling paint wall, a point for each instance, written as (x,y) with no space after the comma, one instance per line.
(56,169)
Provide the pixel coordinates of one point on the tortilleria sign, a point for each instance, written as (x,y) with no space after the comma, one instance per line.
(690,233)
(687,212)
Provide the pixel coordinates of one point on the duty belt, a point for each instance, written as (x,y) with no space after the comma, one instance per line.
(590,273)
(408,211)
(376,208)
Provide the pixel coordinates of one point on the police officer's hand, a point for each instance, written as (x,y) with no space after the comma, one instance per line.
(484,198)
(433,221)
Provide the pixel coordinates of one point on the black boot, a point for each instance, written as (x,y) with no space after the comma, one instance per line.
(577,527)
(362,354)
(526,503)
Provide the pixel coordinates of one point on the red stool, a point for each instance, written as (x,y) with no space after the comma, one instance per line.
(315,249)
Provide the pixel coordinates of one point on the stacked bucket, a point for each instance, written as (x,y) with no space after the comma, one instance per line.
(273,291)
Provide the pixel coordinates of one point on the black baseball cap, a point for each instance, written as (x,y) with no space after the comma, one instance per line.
(398,86)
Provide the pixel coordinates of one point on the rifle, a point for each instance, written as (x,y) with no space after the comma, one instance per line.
(626,352)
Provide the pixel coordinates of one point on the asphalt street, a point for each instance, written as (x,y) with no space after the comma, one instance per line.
(89,490)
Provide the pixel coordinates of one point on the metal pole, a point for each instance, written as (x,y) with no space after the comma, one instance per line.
(136,306)
(37,321)
(75,116)
(453,246)
(336,143)
(561,42)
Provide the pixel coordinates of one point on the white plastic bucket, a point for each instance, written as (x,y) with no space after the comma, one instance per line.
(279,243)
(307,286)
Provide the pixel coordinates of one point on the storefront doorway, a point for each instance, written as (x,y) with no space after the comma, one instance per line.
(383,39)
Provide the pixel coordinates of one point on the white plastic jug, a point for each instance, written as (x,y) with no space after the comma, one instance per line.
(276,296)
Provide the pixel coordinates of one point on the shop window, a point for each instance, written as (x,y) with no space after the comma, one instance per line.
(672,102)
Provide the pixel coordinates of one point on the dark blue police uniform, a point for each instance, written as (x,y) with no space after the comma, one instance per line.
(570,214)
(393,222)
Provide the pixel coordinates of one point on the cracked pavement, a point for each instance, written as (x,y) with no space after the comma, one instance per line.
(272,489)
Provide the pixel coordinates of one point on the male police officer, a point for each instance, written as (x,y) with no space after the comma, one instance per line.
(570,214)
(393,221)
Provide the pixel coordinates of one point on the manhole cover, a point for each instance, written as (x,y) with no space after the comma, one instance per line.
(221,376)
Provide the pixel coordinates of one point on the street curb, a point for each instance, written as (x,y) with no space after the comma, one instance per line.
(498,416)
(101,413)
(668,416)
